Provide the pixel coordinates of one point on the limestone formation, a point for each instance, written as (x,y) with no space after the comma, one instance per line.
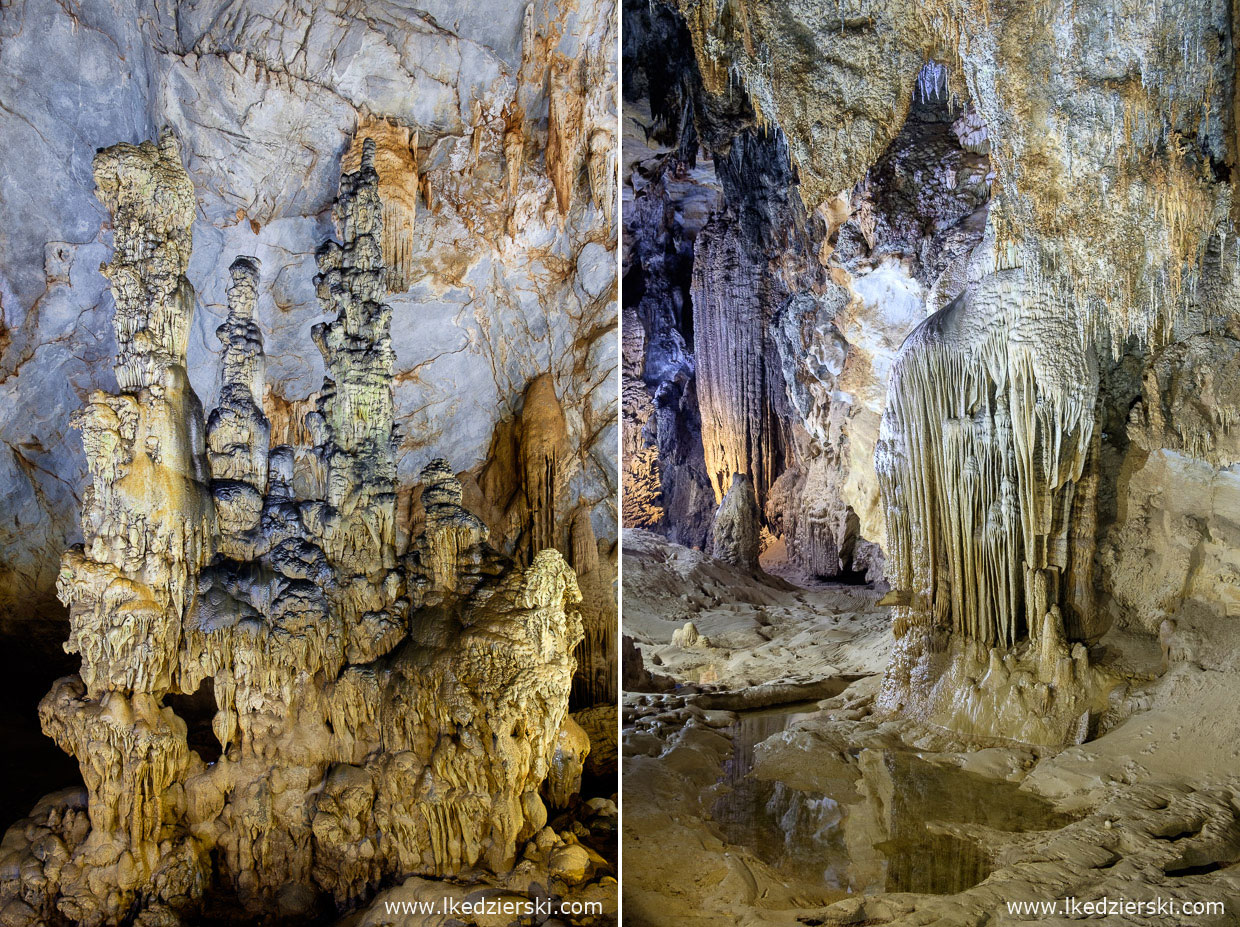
(1173,553)
(596,684)
(375,717)
(490,285)
(982,487)
(396,163)
(238,433)
(740,433)
(736,538)
(543,440)
(917,331)
(148,522)
(662,426)
(532,483)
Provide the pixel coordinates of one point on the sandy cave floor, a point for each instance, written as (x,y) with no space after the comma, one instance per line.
(762,789)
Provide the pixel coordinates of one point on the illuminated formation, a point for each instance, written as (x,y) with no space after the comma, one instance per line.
(376,717)
(984,462)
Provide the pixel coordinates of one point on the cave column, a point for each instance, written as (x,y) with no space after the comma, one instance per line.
(148,527)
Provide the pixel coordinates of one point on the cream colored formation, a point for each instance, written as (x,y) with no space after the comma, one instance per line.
(378,716)
(982,460)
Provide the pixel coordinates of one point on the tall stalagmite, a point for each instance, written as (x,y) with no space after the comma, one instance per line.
(376,716)
(148,525)
(238,433)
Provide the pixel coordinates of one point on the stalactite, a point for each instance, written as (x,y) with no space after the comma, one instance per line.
(396,163)
(596,680)
(982,454)
(544,462)
(566,142)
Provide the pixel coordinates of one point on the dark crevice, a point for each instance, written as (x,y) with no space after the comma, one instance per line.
(198,710)
(1183,871)
(1173,832)
(32,764)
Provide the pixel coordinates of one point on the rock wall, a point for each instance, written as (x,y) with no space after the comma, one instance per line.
(668,198)
(1168,560)
(797,313)
(994,249)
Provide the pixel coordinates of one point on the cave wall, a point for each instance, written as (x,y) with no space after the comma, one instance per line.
(496,131)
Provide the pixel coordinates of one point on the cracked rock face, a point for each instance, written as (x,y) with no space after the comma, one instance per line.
(376,715)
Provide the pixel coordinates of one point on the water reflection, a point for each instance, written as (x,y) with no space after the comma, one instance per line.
(796,832)
(884,832)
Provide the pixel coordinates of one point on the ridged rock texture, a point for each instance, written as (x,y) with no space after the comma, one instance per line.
(376,715)
(495,149)
(736,535)
(962,280)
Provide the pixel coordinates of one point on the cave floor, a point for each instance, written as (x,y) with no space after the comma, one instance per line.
(754,627)
(782,798)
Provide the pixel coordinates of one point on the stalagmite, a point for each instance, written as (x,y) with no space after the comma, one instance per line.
(453,544)
(353,425)
(377,716)
(238,434)
(355,406)
(396,163)
(149,526)
(736,537)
